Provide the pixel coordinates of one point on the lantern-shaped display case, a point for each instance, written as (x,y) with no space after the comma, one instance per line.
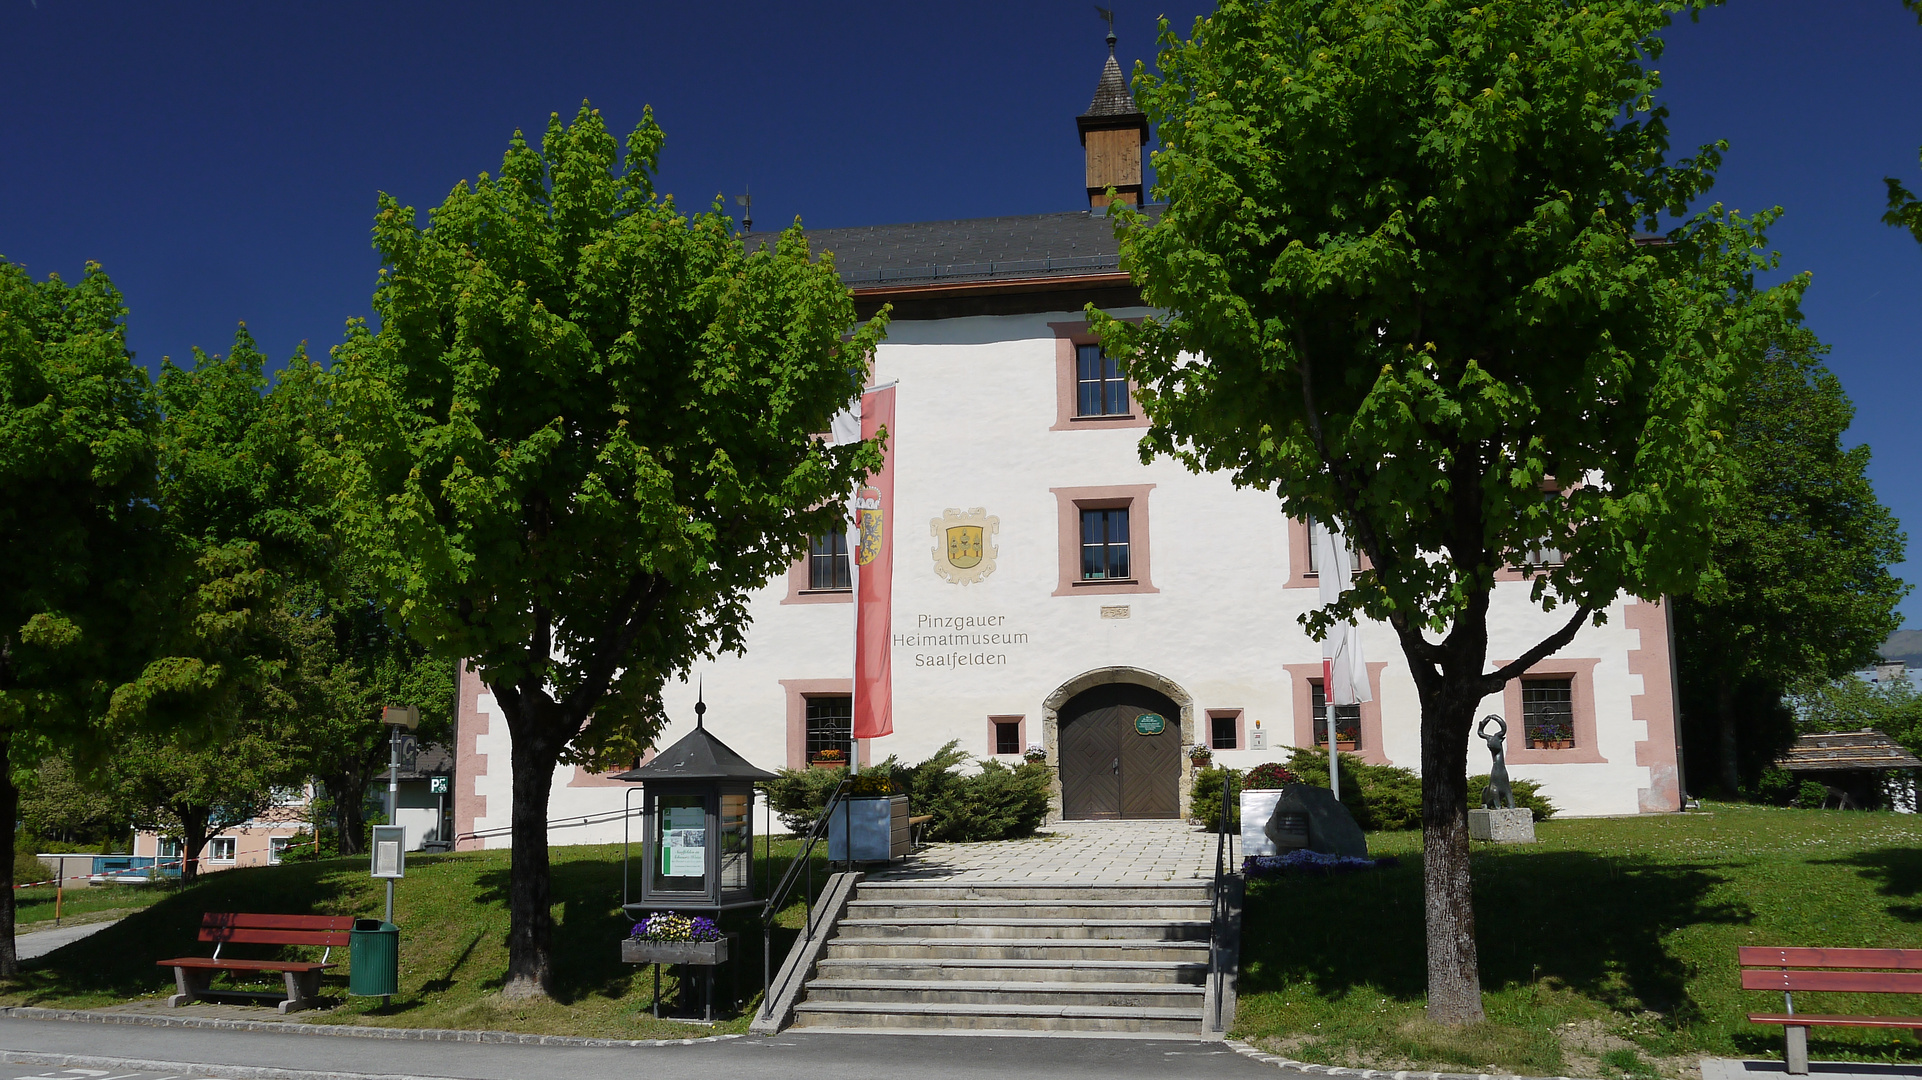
(697,831)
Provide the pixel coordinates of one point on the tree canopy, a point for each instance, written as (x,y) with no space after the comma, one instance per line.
(1412,283)
(583,433)
(1801,592)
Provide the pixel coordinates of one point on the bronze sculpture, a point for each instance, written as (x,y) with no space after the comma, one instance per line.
(1498,791)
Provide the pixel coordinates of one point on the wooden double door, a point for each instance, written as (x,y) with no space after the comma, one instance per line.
(1120,753)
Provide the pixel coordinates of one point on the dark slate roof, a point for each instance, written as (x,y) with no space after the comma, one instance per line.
(981,249)
(699,756)
(434,759)
(1111,96)
(1864,749)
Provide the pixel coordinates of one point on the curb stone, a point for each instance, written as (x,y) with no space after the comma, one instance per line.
(88,1016)
(1249,1051)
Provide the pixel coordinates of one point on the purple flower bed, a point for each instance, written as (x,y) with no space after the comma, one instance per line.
(673,926)
(1304,861)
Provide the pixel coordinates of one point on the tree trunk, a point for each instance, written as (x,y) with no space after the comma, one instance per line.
(193,840)
(530,934)
(9,820)
(1454,967)
(1725,719)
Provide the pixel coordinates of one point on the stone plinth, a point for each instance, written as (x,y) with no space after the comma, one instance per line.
(1515,826)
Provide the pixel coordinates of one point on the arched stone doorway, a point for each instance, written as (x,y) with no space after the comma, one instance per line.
(1109,761)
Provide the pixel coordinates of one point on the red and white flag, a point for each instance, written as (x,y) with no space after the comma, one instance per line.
(1344,670)
(871,550)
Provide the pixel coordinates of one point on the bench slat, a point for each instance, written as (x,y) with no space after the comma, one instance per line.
(1859,982)
(275,937)
(227,964)
(1764,956)
(1829,1020)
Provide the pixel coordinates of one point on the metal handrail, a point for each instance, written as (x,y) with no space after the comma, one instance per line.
(777,899)
(1218,913)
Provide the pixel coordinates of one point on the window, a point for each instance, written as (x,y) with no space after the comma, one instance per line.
(1221,731)
(828,562)
(1101,389)
(1007,736)
(169,848)
(1544,556)
(1315,531)
(830,736)
(1548,713)
(276,847)
(1104,544)
(220,849)
(1347,719)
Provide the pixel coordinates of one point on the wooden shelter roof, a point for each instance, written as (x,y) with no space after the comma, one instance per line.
(1865,749)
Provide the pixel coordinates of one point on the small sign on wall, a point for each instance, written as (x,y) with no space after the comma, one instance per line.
(1150,724)
(1257,739)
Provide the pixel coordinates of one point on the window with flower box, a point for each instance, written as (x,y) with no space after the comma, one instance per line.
(830,729)
(1347,719)
(1548,713)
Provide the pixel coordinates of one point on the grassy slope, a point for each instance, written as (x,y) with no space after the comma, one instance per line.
(33,908)
(1608,948)
(452,910)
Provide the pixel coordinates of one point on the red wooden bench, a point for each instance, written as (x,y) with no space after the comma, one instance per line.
(193,974)
(1849,971)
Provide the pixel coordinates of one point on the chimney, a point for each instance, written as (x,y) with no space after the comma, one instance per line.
(1113,131)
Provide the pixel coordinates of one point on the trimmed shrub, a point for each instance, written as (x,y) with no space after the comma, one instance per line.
(1268,776)
(799,795)
(1381,797)
(1205,799)
(995,803)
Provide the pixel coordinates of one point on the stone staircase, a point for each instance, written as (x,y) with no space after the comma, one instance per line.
(1010,956)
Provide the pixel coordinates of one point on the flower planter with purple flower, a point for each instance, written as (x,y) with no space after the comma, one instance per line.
(668,937)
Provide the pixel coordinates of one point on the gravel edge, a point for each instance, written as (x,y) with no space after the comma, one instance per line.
(1249,1051)
(89,1016)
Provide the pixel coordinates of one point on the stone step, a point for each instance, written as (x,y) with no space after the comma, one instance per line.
(986,992)
(1067,929)
(1134,972)
(1180,892)
(1010,948)
(1066,908)
(946,1016)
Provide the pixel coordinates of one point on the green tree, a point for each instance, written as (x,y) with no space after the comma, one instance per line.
(583,434)
(1905,209)
(1405,287)
(1892,707)
(194,792)
(81,543)
(64,810)
(1802,548)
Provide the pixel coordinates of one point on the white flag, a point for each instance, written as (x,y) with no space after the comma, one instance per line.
(1348,676)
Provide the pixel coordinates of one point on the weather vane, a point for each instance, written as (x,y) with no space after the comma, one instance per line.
(1108,14)
(747,210)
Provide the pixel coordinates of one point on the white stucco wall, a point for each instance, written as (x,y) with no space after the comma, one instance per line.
(975,405)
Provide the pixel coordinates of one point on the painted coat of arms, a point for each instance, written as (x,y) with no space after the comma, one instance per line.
(964,548)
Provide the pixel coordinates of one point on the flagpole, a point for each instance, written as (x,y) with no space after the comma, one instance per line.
(1328,706)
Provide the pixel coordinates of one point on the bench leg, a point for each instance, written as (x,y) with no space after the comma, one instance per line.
(303,990)
(191,983)
(1798,1050)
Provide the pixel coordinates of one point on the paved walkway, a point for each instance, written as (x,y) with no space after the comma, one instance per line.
(1735,1069)
(1105,851)
(41,942)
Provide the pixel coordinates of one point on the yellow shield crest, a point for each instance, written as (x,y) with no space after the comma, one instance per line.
(964,546)
(870,537)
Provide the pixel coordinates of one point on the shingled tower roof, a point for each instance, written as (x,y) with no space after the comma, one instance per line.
(1111,96)
(1119,128)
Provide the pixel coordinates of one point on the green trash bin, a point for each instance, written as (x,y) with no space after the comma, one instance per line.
(373,958)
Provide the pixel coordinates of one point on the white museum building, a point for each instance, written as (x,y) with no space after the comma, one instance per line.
(1049,588)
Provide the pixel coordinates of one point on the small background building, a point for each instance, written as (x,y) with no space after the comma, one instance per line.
(1863,770)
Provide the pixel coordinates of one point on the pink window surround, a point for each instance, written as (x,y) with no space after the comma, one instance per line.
(798,691)
(1241,727)
(1067,335)
(1071,501)
(1299,575)
(1304,699)
(1580,673)
(1021,734)
(1654,706)
(799,593)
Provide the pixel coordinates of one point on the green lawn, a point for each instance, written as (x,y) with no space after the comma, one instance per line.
(1607,949)
(33,908)
(452,910)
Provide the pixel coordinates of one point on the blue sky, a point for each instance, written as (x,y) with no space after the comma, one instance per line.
(221,159)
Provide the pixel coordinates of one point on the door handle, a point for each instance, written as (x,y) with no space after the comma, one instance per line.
(1117,766)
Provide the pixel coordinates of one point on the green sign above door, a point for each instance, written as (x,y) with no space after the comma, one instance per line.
(1150,724)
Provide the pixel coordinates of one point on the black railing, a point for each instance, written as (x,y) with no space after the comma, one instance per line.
(1219,911)
(803,865)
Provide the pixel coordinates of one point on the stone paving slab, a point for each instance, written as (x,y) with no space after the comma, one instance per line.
(1071,851)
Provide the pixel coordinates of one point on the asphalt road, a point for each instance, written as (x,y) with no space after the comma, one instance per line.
(191,1052)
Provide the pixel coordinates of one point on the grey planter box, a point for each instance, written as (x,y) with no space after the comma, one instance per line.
(879,824)
(639,951)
